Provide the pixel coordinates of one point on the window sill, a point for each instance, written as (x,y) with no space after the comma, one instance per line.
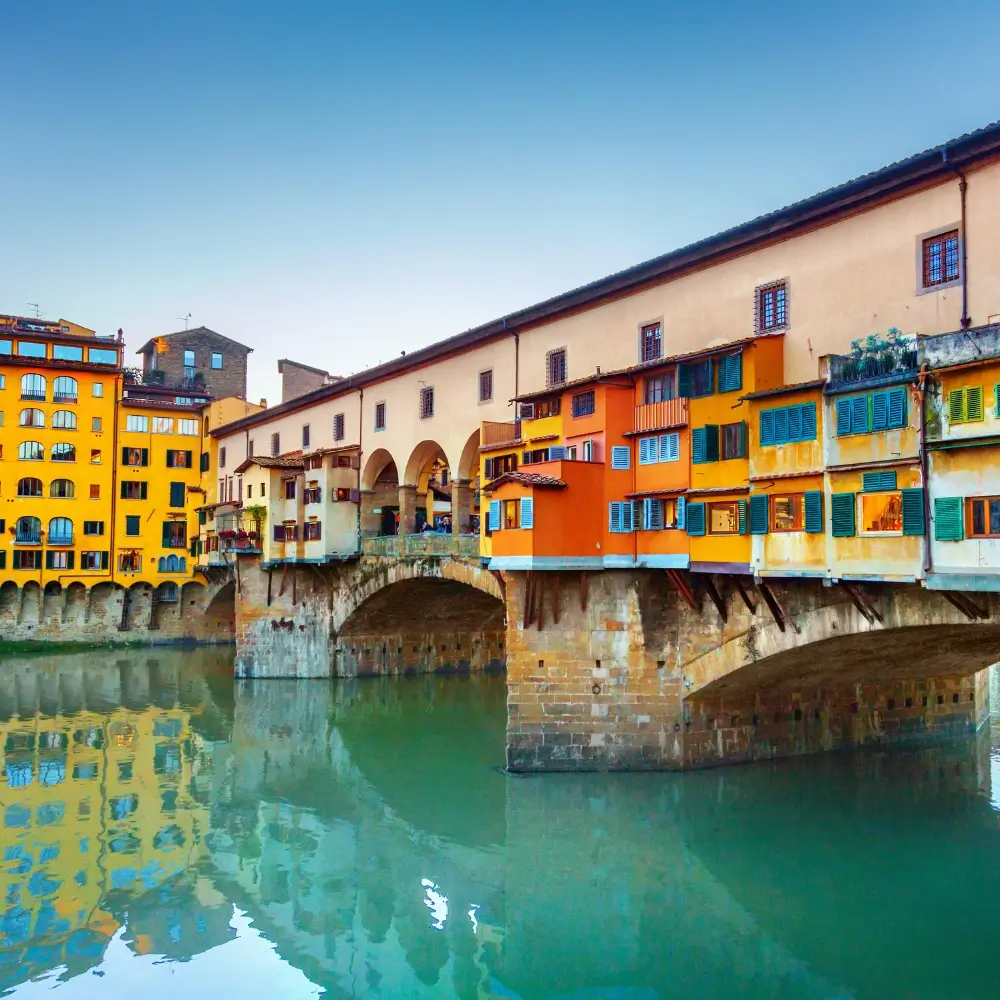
(882,534)
(944,286)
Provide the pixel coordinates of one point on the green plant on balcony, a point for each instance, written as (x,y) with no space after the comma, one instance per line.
(256,514)
(875,355)
(155,376)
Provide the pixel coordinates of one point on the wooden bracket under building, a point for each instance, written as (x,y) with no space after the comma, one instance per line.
(862,603)
(281,586)
(501,583)
(969,608)
(745,594)
(269,572)
(555,598)
(781,619)
(583,591)
(674,576)
(715,595)
(527,617)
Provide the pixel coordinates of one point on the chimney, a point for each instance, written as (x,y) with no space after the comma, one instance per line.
(263,404)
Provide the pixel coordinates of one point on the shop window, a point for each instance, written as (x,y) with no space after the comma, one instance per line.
(727,518)
(787,512)
(511,514)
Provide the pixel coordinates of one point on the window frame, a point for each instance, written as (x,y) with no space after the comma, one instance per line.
(275,444)
(709,365)
(217,367)
(339,425)
(550,356)
(380,415)
(780,285)
(860,529)
(509,522)
(923,242)
(660,382)
(711,506)
(798,516)
(426,402)
(485,373)
(652,327)
(741,450)
(588,395)
(970,516)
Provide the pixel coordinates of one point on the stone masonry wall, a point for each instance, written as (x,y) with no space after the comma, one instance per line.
(631,677)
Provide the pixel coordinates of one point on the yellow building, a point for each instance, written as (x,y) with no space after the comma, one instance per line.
(58,386)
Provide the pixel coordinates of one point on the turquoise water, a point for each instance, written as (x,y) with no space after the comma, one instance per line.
(166,833)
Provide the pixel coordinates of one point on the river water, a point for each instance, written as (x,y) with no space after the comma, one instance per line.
(166,833)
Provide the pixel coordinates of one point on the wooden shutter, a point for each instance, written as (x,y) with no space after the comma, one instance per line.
(188,459)
(974,402)
(711,442)
(614,517)
(681,511)
(897,406)
(145,456)
(956,405)
(670,447)
(842,515)
(698,448)
(813,504)
(488,468)
(104,560)
(496,507)
(527,512)
(949,519)
(142,490)
(808,421)
(620,456)
(843,417)
(354,496)
(176,494)
(759,514)
(695,518)
(859,415)
(766,434)
(913,511)
(648,450)
(741,516)
(781,425)
(683,382)
(124,456)
(205,461)
(880,411)
(741,446)
(166,534)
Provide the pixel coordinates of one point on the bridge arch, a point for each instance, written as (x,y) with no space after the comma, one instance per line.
(468,462)
(379,467)
(421,459)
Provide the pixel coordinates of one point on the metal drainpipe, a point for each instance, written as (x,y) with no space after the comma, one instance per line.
(922,390)
(361,452)
(119,388)
(963,186)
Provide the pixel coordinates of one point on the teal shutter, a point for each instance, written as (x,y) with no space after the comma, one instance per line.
(187,459)
(70,560)
(781,425)
(842,514)
(176,494)
(683,381)
(859,415)
(843,417)
(695,518)
(884,479)
(711,442)
(880,411)
(949,519)
(104,560)
(913,511)
(698,449)
(681,510)
(145,456)
(166,534)
(758,514)
(527,512)
(48,559)
(670,447)
(794,423)
(494,522)
(808,421)
(741,516)
(766,436)
(731,372)
(897,406)
(813,503)
(124,456)
(142,491)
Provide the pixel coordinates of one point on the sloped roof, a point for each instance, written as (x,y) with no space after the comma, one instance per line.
(201,330)
(526,479)
(267,462)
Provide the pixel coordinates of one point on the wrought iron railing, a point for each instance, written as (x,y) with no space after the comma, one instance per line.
(885,361)
(28,536)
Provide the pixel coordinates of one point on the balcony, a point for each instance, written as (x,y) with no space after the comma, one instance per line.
(661,416)
(64,397)
(494,433)
(37,397)
(431,544)
(28,537)
(876,362)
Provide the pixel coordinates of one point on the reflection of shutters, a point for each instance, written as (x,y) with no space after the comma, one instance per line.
(813,503)
(695,518)
(741,516)
(883,480)
(527,512)
(495,508)
(766,428)
(758,515)
(949,519)
(681,505)
(913,511)
(842,509)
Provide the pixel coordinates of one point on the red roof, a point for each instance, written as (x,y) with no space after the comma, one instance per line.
(526,479)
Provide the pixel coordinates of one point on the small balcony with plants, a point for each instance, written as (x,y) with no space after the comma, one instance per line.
(876,360)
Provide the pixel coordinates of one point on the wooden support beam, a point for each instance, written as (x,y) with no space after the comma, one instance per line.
(540,590)
(269,572)
(968,608)
(861,603)
(281,586)
(295,580)
(685,591)
(583,591)
(745,594)
(501,583)
(716,597)
(777,612)
(555,598)
(526,619)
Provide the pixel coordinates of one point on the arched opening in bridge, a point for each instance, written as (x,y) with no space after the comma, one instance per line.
(465,492)
(422,625)
(427,486)
(379,495)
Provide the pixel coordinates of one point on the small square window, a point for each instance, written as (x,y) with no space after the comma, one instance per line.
(98,389)
(95,424)
(427,401)
(555,367)
(216,360)
(772,307)
(940,259)
(380,416)
(289,489)
(95,456)
(189,359)
(338,427)
(95,491)
(486,386)
(651,342)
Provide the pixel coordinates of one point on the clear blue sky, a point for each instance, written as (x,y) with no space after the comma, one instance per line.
(336,182)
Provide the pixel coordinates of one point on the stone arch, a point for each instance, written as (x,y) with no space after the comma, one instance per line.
(836,640)
(379,462)
(468,462)
(31,604)
(192,597)
(140,599)
(52,601)
(10,601)
(220,613)
(421,458)
(105,602)
(75,608)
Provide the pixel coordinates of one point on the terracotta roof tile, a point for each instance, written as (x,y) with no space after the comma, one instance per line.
(526,479)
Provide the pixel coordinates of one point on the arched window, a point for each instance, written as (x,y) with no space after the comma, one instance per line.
(30,451)
(33,387)
(28,531)
(62,489)
(32,417)
(28,487)
(166,591)
(64,453)
(60,531)
(64,419)
(64,390)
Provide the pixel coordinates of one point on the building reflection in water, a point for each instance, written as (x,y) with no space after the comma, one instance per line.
(363,829)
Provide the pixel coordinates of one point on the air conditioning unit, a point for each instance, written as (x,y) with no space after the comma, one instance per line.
(526,411)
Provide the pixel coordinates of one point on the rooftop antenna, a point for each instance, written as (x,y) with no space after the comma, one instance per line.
(185,318)
(38,312)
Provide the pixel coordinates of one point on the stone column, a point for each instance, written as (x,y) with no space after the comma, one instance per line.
(371,523)
(461,506)
(407,510)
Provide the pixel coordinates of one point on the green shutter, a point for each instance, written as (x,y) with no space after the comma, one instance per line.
(808,421)
(188,459)
(124,456)
(843,417)
(813,503)
(949,519)
(711,442)
(202,517)
(142,491)
(48,559)
(758,514)
(176,494)
(860,415)
(698,446)
(683,381)
(694,516)
(70,560)
(974,402)
(956,405)
(913,511)
(145,456)
(842,514)
(741,516)
(880,411)
(884,479)
(166,534)
(104,560)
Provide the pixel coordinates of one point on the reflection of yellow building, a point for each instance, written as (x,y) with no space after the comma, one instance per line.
(93,806)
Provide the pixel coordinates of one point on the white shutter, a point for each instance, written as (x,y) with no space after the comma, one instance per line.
(495,515)
(527,512)
(670,447)
(647,451)
(620,456)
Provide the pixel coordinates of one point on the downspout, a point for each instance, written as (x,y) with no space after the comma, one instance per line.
(634,462)
(925,485)
(963,186)
(361,452)
(119,389)
(517,362)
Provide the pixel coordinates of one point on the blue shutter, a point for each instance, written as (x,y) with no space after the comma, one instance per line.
(949,518)
(913,511)
(813,503)
(842,511)
(794,423)
(647,514)
(843,416)
(695,518)
(620,456)
(880,411)
(766,428)
(884,479)
(698,446)
(741,516)
(670,447)
(859,415)
(648,450)
(758,514)
(897,407)
(731,373)
(681,505)
(527,512)
(495,511)
(781,425)
(808,421)
(711,442)
(557,452)
(683,381)
(614,517)
(628,516)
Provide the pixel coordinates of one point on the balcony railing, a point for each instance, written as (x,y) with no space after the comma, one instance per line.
(61,539)
(65,397)
(883,362)
(494,432)
(429,543)
(38,397)
(23,537)
(660,416)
